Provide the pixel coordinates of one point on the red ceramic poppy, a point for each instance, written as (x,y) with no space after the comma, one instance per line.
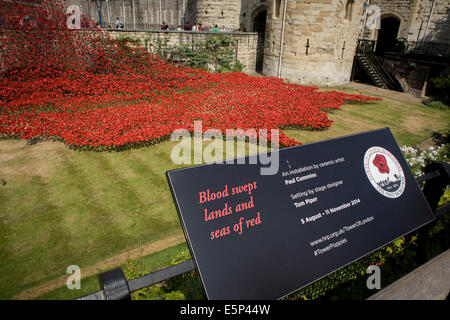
(380,162)
(93,92)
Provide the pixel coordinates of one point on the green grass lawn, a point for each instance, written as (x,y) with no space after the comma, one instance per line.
(410,124)
(62,207)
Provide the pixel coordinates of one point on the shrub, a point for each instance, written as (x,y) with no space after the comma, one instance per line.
(216,53)
(418,160)
(442,84)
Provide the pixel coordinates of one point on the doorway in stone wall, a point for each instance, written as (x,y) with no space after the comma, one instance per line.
(387,35)
(259,17)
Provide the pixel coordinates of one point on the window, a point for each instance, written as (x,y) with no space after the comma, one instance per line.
(277,8)
(349,9)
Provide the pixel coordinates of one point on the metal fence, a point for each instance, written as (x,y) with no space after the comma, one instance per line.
(416,48)
(134,26)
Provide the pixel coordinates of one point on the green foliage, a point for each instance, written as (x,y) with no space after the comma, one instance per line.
(135,270)
(442,84)
(188,285)
(437,104)
(216,53)
(353,272)
(445,198)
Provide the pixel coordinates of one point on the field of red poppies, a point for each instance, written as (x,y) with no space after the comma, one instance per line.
(95,93)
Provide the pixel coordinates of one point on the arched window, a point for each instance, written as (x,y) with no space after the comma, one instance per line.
(349,9)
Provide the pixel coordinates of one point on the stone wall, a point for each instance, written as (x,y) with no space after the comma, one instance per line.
(400,9)
(332,36)
(136,14)
(216,12)
(332,41)
(413,74)
(146,14)
(245,48)
(231,14)
(439,27)
(248,10)
(414,16)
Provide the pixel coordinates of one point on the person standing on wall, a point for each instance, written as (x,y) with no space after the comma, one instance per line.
(119,24)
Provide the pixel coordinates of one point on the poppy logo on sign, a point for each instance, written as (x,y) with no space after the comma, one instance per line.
(384,172)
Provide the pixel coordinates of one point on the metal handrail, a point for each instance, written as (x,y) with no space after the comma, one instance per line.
(384,75)
(391,82)
(432,49)
(403,46)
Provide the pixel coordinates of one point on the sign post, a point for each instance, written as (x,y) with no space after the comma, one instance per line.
(331,203)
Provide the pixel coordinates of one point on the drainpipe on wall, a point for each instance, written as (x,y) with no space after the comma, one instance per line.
(160,13)
(429,19)
(123,13)
(183,14)
(108,11)
(134,15)
(282,39)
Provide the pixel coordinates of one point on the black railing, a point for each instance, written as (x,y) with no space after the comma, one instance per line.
(133,26)
(130,26)
(385,76)
(366,51)
(403,46)
(366,45)
(115,286)
(431,49)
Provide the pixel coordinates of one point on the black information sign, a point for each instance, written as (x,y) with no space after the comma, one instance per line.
(257,236)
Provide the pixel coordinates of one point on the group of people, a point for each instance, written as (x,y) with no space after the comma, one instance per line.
(199,27)
(187,27)
(119,24)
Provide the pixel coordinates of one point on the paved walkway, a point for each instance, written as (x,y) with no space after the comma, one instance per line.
(430,281)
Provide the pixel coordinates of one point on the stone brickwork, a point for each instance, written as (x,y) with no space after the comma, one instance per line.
(332,41)
(245,48)
(136,14)
(400,9)
(216,12)
(326,24)
(248,10)
(231,14)
(439,26)
(414,17)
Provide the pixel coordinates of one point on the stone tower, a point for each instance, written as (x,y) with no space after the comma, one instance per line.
(211,12)
(320,39)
